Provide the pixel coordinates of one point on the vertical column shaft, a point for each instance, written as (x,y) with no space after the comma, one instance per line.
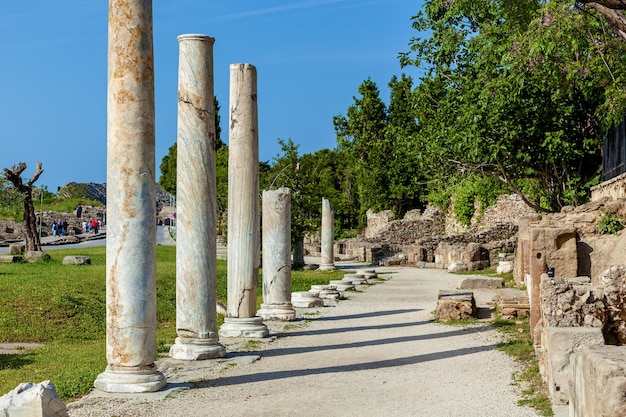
(131,203)
(328,232)
(243,206)
(277,256)
(196,276)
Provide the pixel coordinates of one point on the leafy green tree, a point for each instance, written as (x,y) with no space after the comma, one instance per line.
(405,177)
(361,136)
(382,148)
(11,201)
(517,91)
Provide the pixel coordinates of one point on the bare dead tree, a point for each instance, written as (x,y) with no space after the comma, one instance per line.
(14,175)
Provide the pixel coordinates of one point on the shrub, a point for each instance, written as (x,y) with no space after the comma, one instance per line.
(610,224)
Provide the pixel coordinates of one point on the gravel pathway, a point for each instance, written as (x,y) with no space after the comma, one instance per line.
(376,354)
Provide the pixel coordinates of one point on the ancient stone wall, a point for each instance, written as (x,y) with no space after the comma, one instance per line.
(614,188)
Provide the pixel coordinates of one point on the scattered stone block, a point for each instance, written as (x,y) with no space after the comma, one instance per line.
(504,267)
(513,303)
(598,381)
(456,305)
(481,282)
(9,259)
(558,345)
(17,248)
(34,256)
(77,260)
(310,267)
(457,267)
(33,400)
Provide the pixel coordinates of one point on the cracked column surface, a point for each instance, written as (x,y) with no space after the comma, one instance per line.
(131,203)
(196,277)
(277,256)
(243,207)
(328,231)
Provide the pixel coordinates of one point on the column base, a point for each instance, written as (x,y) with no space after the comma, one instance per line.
(278,312)
(251,327)
(327,267)
(192,349)
(137,379)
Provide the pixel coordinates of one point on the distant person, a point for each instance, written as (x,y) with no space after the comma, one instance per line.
(66,228)
(94,226)
(55,228)
(85,226)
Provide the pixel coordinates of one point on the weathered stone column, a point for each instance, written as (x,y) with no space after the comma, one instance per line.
(277,256)
(243,207)
(131,203)
(328,240)
(196,277)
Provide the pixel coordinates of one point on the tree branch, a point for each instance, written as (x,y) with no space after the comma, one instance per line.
(36,175)
(615,18)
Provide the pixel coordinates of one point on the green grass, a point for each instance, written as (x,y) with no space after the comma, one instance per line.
(519,345)
(64,205)
(63,306)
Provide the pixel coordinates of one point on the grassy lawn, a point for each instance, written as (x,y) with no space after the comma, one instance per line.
(63,306)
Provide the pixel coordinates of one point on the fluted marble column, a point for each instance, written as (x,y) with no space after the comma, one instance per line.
(131,203)
(196,277)
(277,256)
(328,240)
(243,207)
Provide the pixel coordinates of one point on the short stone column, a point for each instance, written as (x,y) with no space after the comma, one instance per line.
(196,277)
(277,256)
(131,203)
(243,207)
(328,240)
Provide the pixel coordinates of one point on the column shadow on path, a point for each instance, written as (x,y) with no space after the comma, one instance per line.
(370,342)
(389,363)
(353,329)
(364,315)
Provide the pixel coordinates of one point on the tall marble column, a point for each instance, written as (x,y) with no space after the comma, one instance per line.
(277,256)
(131,203)
(328,240)
(196,277)
(243,207)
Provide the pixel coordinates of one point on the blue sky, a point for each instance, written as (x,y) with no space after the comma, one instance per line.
(311,56)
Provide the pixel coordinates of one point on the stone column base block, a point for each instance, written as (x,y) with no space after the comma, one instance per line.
(369,274)
(277,312)
(130,379)
(327,267)
(251,327)
(305,299)
(328,294)
(191,349)
(342,285)
(320,287)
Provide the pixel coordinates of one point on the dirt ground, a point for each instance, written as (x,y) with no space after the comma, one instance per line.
(377,353)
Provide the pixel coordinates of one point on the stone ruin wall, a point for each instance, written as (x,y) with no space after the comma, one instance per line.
(578,318)
(437,238)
